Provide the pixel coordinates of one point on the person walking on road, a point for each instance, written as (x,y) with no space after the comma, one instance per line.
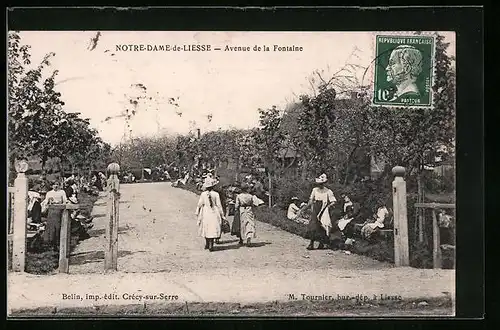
(210,214)
(320,225)
(223,200)
(244,207)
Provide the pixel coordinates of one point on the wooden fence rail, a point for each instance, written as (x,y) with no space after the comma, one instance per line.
(435,205)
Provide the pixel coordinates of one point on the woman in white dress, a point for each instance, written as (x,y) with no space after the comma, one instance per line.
(210,214)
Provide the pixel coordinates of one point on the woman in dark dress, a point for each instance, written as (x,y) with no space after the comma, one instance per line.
(236,226)
(53,228)
(320,225)
(97,182)
(36,211)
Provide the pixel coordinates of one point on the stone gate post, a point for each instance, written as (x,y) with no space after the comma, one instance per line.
(20,217)
(113,187)
(401,246)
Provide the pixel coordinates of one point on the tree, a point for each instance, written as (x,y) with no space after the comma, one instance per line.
(37,124)
(349,140)
(33,105)
(269,139)
(315,124)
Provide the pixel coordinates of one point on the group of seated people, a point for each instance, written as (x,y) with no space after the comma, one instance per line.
(349,223)
(38,214)
(182,180)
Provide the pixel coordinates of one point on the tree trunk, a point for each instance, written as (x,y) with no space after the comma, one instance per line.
(270,189)
(348,165)
(61,168)
(303,175)
(290,164)
(44,161)
(337,174)
(142,170)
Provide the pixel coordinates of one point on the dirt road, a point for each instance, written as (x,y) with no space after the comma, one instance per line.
(158,233)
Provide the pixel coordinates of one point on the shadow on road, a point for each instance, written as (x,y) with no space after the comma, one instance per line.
(100,215)
(99,232)
(225,247)
(237,246)
(259,244)
(229,241)
(95,256)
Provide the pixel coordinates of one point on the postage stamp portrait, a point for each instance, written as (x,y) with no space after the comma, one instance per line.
(403,70)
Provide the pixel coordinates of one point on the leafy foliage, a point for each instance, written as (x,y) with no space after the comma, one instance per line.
(269,138)
(37,124)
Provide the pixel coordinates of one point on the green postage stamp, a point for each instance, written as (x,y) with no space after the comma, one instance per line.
(404,70)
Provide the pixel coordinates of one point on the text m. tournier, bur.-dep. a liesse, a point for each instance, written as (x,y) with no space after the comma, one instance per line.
(357,297)
(205,48)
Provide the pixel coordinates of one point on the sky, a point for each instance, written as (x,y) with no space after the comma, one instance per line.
(228,86)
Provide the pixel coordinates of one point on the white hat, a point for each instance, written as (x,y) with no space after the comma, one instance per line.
(210,182)
(322,178)
(33,194)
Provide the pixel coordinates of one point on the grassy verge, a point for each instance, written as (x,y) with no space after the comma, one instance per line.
(378,249)
(434,306)
(381,249)
(45,262)
(190,187)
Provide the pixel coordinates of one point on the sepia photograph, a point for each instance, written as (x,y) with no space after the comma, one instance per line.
(231,173)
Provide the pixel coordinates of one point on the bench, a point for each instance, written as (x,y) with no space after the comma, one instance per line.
(29,234)
(386,233)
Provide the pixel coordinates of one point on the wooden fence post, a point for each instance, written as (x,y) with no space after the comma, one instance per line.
(401,246)
(436,244)
(111,252)
(64,242)
(20,217)
(65,235)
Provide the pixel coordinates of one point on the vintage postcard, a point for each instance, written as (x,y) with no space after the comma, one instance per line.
(199,173)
